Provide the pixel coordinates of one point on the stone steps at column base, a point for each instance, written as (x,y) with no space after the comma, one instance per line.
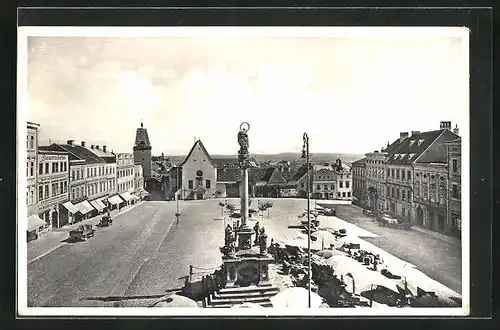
(238,295)
(264,304)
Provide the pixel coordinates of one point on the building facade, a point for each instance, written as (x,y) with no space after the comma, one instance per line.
(138,180)
(31,167)
(95,180)
(53,185)
(199,174)
(375,181)
(359,183)
(411,197)
(125,172)
(430,197)
(324,183)
(454,161)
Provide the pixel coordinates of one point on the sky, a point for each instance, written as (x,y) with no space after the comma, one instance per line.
(350,94)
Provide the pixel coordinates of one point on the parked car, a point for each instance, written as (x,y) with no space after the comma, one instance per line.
(105,221)
(82,233)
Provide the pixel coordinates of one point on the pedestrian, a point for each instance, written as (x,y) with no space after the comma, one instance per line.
(256,229)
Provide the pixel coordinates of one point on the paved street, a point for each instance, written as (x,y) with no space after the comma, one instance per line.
(145,253)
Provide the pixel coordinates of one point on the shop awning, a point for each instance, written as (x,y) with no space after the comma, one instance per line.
(143,193)
(96,205)
(70,207)
(81,207)
(88,206)
(101,203)
(35,222)
(115,200)
(126,196)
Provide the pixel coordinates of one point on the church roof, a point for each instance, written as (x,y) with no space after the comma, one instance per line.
(199,144)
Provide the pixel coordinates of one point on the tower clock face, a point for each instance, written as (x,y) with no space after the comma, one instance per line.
(199,173)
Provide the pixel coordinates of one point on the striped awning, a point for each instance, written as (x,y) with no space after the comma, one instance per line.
(35,222)
(96,205)
(101,203)
(126,196)
(88,206)
(115,200)
(82,208)
(70,207)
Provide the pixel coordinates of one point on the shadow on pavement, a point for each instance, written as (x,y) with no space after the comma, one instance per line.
(121,298)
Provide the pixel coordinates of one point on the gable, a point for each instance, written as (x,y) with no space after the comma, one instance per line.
(198,154)
(276,178)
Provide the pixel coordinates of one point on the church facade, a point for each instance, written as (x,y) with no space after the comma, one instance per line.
(198,174)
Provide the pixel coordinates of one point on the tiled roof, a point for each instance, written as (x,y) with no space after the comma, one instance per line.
(200,144)
(228,174)
(301,172)
(414,147)
(225,162)
(359,162)
(101,153)
(437,152)
(78,152)
(393,146)
(457,140)
(275,177)
(142,139)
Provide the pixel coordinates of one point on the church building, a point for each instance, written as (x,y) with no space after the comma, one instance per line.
(199,174)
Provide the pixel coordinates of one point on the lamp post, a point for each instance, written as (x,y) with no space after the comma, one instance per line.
(177,214)
(305,154)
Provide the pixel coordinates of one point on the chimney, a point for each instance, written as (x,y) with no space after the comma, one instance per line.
(455,130)
(415,133)
(104,148)
(70,142)
(97,147)
(91,146)
(402,136)
(142,125)
(445,125)
(83,143)
(376,151)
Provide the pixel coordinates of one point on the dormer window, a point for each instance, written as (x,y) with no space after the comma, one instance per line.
(420,141)
(412,142)
(403,156)
(410,156)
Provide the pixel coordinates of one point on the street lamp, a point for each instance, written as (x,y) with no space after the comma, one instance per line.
(305,154)
(177,214)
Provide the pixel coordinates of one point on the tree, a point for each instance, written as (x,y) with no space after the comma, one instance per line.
(222,205)
(373,196)
(218,194)
(262,207)
(269,205)
(230,207)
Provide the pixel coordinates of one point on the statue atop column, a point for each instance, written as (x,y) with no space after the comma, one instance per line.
(243,154)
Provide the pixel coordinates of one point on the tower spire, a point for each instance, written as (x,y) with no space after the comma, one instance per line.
(142,123)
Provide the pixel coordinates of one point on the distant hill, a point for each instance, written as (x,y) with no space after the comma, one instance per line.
(293,158)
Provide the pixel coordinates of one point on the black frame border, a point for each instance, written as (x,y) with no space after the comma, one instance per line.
(478,20)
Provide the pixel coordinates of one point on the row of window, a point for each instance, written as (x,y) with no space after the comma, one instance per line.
(92,189)
(199,182)
(30,168)
(58,188)
(125,186)
(332,187)
(373,161)
(343,194)
(57,167)
(126,172)
(397,174)
(397,193)
(30,196)
(30,142)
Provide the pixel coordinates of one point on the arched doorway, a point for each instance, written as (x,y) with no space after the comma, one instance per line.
(420,216)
